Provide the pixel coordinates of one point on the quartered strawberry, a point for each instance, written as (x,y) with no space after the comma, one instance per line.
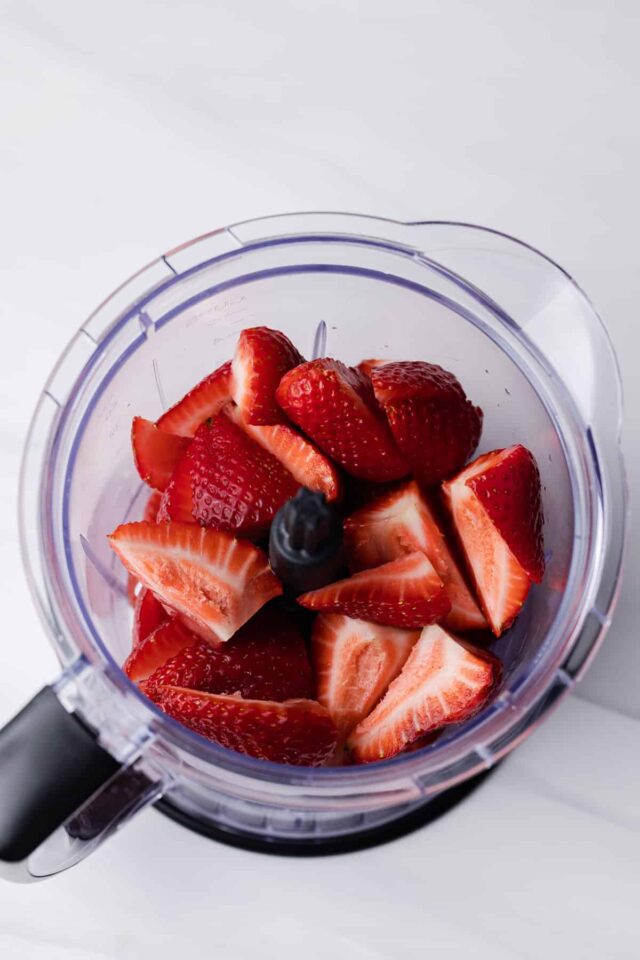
(216,581)
(265,660)
(335,406)
(403,593)
(402,522)
(443,681)
(155,453)
(148,614)
(354,662)
(163,643)
(227,481)
(306,464)
(204,401)
(297,732)
(435,426)
(502,582)
(262,358)
(507,484)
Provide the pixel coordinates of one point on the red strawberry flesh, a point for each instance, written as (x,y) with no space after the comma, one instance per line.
(227,481)
(262,358)
(443,681)
(205,400)
(355,661)
(265,660)
(148,614)
(155,453)
(168,639)
(400,522)
(434,425)
(298,732)
(335,406)
(404,593)
(206,575)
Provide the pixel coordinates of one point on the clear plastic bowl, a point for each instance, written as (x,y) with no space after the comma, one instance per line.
(528,348)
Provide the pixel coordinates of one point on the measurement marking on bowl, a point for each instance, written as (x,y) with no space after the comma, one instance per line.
(156,374)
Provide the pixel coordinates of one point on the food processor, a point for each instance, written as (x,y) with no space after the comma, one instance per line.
(90,750)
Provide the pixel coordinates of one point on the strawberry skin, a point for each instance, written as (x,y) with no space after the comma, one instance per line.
(400,522)
(148,614)
(354,663)
(262,358)
(216,581)
(205,400)
(443,681)
(502,583)
(155,453)
(507,484)
(152,507)
(403,593)
(435,426)
(299,732)
(265,660)
(307,465)
(366,366)
(227,481)
(167,640)
(335,406)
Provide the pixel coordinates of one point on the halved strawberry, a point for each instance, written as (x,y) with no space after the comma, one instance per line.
(227,481)
(163,643)
(306,464)
(435,426)
(401,522)
(355,661)
(501,580)
(262,358)
(205,400)
(295,732)
(335,406)
(443,681)
(148,614)
(155,453)
(265,660)
(404,593)
(213,579)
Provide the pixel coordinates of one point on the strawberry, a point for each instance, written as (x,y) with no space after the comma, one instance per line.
(227,481)
(152,507)
(163,643)
(306,464)
(265,660)
(404,593)
(295,732)
(366,366)
(206,575)
(502,582)
(443,681)
(354,663)
(148,614)
(335,406)
(262,358)
(205,400)
(401,522)
(155,453)
(435,426)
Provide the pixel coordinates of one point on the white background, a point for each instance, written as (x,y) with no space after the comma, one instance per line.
(128,127)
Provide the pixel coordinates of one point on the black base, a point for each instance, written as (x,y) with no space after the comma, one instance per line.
(425,814)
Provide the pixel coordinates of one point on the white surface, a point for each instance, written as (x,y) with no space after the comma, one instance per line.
(128,127)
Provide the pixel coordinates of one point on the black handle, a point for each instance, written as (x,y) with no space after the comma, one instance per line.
(305,543)
(50,764)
